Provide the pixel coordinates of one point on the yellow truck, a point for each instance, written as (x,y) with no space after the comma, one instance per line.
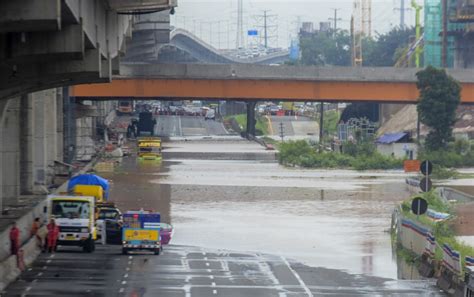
(90,190)
(149,148)
(75,217)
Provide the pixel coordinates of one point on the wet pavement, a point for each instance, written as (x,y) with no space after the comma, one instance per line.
(242,228)
(192,271)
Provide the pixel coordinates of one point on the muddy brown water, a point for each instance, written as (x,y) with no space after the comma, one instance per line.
(332,219)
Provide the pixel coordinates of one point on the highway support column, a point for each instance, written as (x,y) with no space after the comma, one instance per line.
(251,121)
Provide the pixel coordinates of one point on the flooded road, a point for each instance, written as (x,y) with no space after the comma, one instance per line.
(332,219)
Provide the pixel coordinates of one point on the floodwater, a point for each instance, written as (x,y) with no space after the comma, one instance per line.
(323,218)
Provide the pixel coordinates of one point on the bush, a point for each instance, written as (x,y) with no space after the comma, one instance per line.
(301,153)
(448,157)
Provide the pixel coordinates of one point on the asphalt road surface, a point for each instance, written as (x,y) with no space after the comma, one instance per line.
(191,271)
(176,126)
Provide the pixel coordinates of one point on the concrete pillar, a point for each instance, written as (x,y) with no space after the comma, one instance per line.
(251,122)
(3,107)
(27,144)
(50,134)
(40,146)
(59,125)
(11,152)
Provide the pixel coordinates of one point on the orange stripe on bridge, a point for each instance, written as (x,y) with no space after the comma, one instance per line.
(242,90)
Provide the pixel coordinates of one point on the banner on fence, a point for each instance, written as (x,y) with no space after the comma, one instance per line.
(413,236)
(470,262)
(430,247)
(451,259)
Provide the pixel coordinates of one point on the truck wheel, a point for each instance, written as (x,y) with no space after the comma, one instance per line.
(124,251)
(156,251)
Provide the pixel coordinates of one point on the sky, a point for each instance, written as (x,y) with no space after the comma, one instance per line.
(215,21)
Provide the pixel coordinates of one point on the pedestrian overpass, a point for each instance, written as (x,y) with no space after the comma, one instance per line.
(257,82)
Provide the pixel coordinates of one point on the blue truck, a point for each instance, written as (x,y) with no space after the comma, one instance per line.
(141,231)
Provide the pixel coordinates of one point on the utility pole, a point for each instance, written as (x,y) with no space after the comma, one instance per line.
(282,131)
(402,10)
(269,26)
(335,19)
(240,25)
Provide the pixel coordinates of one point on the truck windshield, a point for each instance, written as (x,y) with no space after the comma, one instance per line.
(71,209)
(149,149)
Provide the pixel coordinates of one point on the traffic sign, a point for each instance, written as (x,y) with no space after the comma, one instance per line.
(425,184)
(419,206)
(426,168)
(252,32)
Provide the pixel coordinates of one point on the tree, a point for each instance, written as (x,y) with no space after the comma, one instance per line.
(440,96)
(321,48)
(386,48)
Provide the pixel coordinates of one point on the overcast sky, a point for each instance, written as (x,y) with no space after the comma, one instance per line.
(215,21)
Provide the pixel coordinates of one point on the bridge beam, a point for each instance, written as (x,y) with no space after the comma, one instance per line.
(251,121)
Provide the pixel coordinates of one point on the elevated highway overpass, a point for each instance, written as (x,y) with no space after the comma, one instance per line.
(258,82)
(205,53)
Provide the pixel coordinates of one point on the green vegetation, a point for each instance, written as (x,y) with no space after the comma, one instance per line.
(331,119)
(359,157)
(440,96)
(261,127)
(442,230)
(326,48)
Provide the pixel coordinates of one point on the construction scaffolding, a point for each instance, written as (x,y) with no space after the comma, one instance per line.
(433,40)
(361,25)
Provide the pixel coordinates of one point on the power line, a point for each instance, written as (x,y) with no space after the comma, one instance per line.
(269,27)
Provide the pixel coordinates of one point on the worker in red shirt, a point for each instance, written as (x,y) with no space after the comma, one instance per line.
(53,233)
(14,239)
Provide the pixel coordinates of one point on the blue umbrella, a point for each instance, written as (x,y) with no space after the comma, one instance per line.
(89,179)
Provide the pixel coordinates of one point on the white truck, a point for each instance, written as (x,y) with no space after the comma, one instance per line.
(75,217)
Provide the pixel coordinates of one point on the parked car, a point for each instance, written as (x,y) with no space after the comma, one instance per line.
(166,232)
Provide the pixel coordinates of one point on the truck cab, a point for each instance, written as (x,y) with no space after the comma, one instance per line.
(149,148)
(75,217)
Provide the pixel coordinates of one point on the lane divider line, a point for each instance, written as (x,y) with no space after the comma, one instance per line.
(303,285)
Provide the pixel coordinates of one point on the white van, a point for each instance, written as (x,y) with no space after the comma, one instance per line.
(210,115)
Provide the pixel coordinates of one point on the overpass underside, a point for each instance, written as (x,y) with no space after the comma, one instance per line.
(45,46)
(257,82)
(249,90)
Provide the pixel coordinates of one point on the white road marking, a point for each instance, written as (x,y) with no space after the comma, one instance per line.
(121,290)
(205,258)
(211,277)
(303,285)
(130,257)
(213,284)
(40,274)
(49,261)
(27,289)
(129,262)
(29,269)
(44,267)
(209,270)
(126,275)
(124,282)
(214,292)
(128,269)
(34,281)
(207,264)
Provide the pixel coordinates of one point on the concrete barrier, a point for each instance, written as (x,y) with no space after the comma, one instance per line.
(9,270)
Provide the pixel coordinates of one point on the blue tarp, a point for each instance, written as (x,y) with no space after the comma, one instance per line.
(391,137)
(89,179)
